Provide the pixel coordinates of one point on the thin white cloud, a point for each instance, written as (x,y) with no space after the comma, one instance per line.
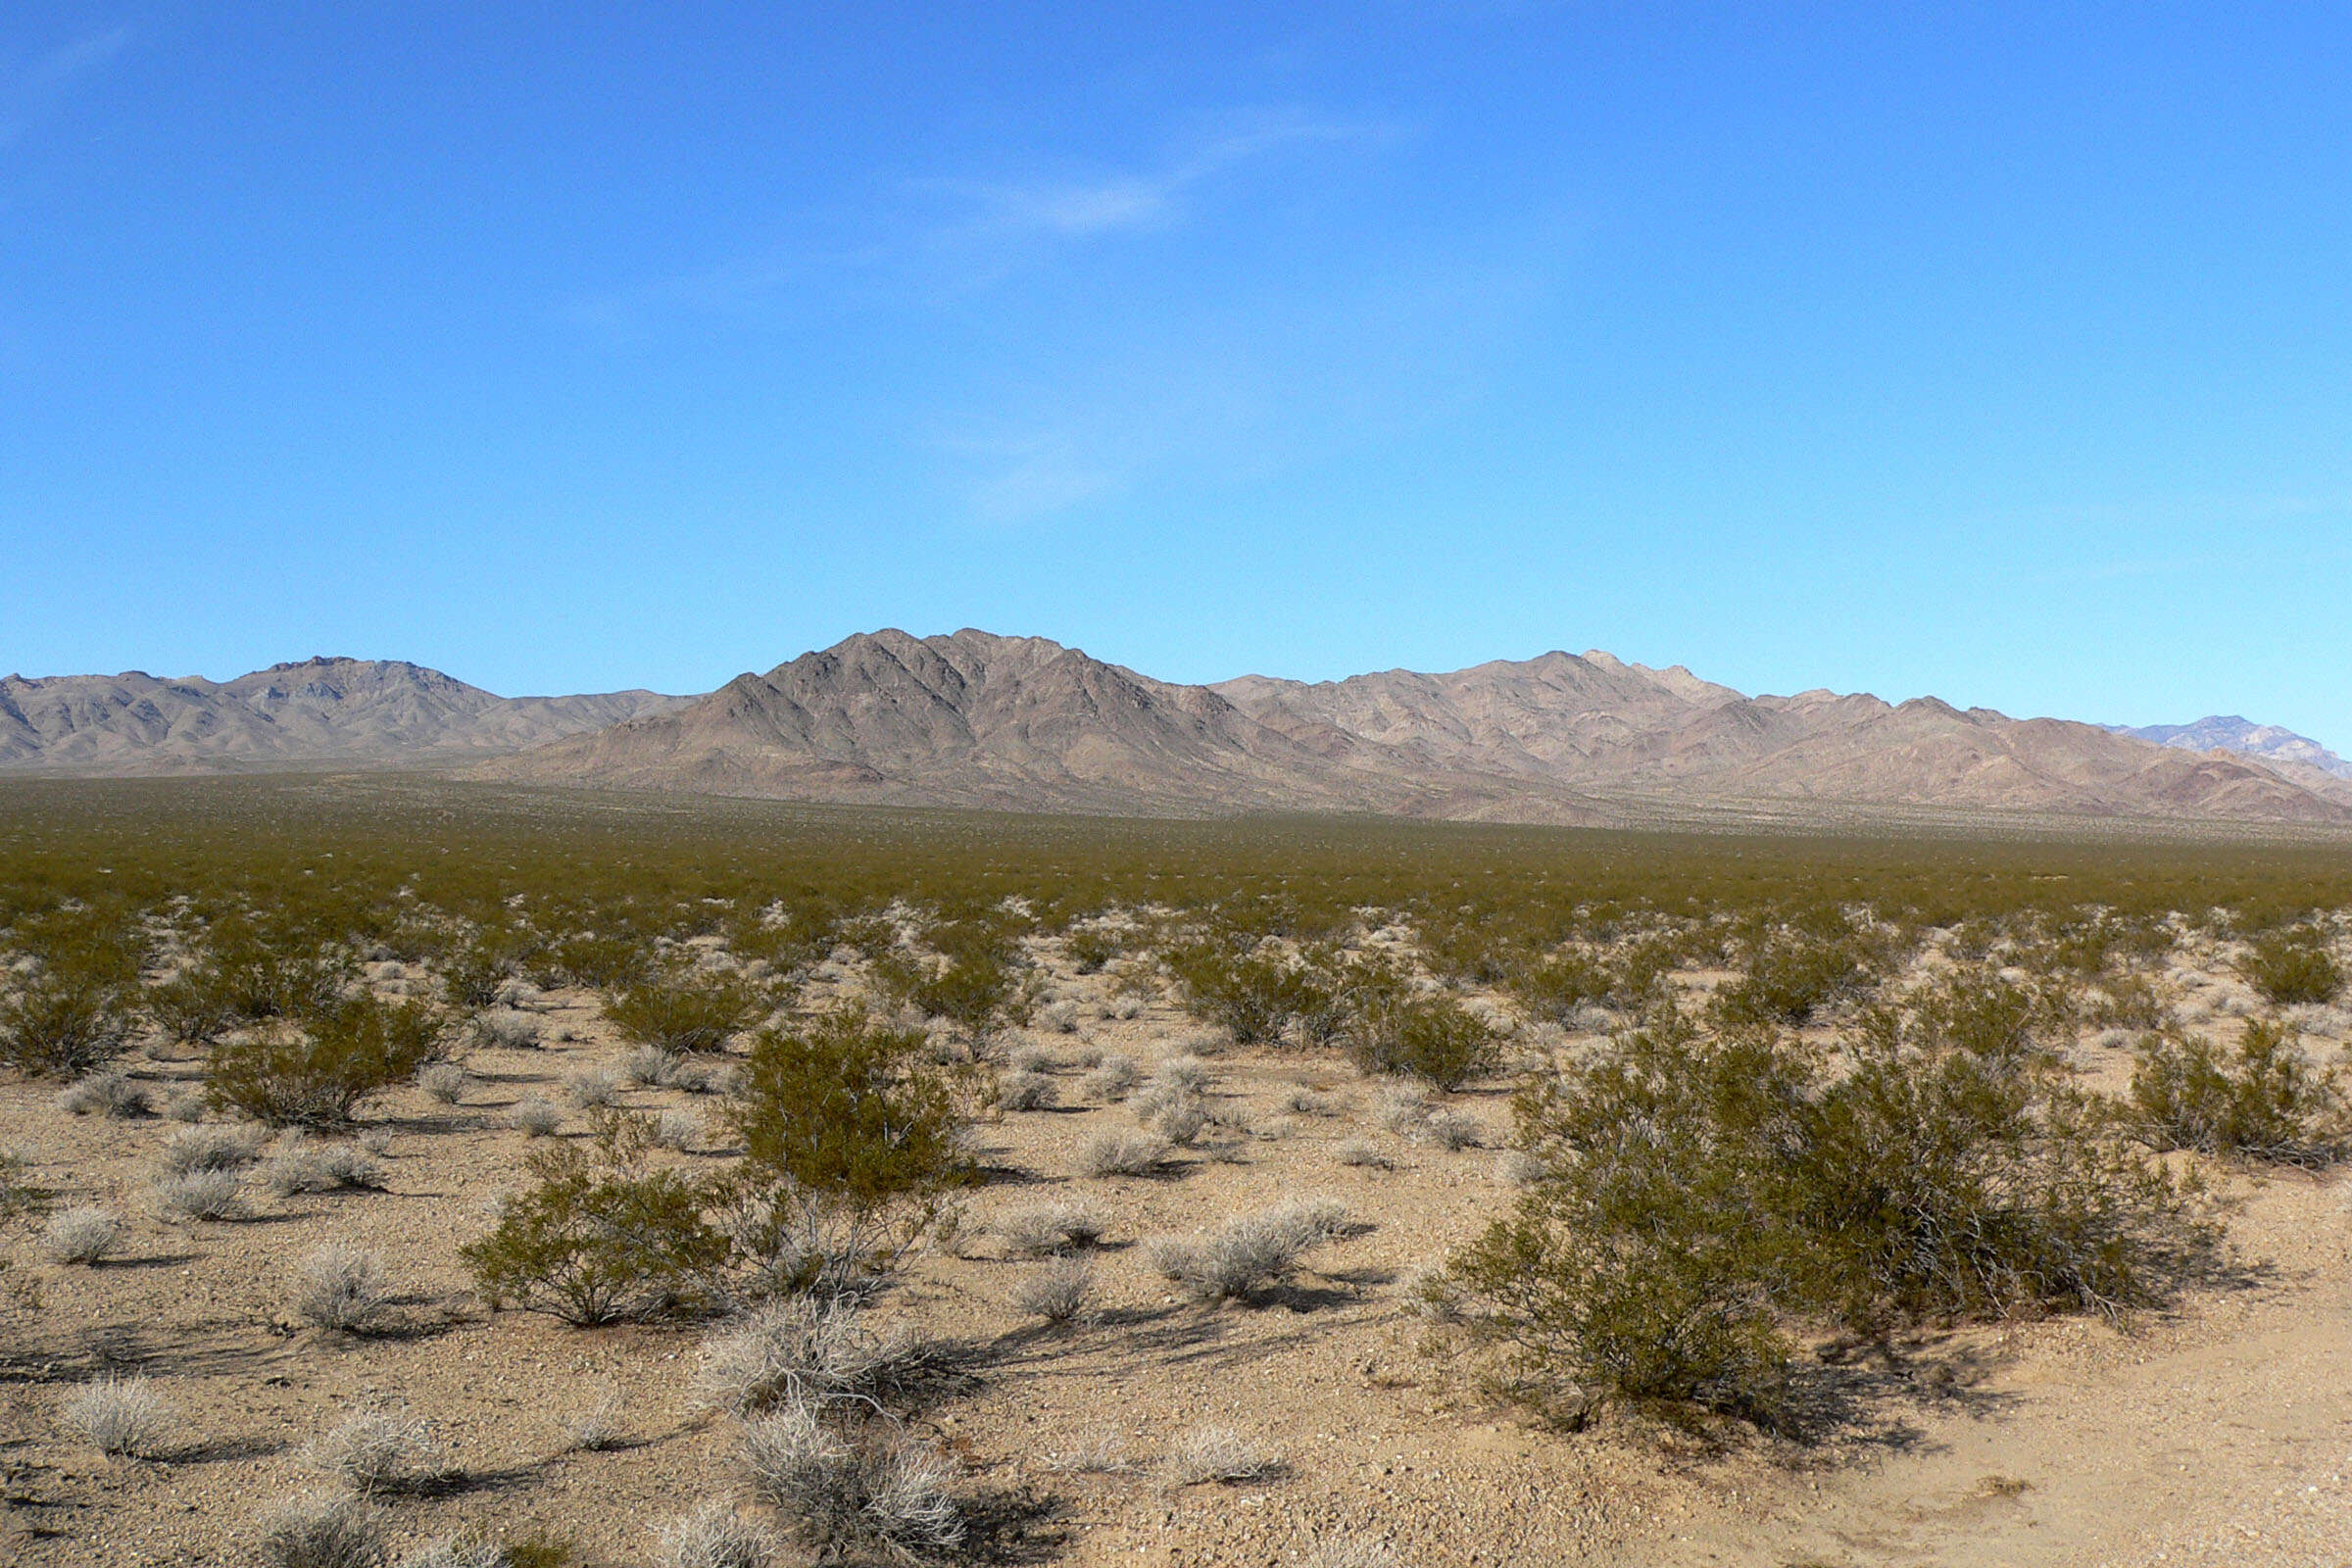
(30,92)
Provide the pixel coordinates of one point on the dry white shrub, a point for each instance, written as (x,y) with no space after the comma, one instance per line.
(507,1031)
(1112,1079)
(1516,1167)
(456,1551)
(596,1086)
(1059,1291)
(321,1529)
(1452,1131)
(298,1165)
(715,1536)
(1315,1103)
(599,1426)
(1061,1017)
(1365,1153)
(677,1128)
(1216,1454)
(374,1140)
(849,1493)
(194,1148)
(1123,1154)
(1127,1008)
(121,1416)
(536,1117)
(650,1066)
(1185,1073)
(1036,1229)
(803,1349)
(186,1106)
(380,1450)
(1103,1454)
(108,1093)
(443,1081)
(208,1195)
(1085,1059)
(1426,1290)
(1402,1108)
(342,1287)
(1247,1252)
(1027,1090)
(1033,1058)
(82,1235)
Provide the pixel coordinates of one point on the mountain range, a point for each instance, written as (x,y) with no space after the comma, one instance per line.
(2230,733)
(363,712)
(1023,723)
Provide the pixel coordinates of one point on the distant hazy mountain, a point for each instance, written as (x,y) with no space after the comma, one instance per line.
(976,720)
(2230,733)
(356,711)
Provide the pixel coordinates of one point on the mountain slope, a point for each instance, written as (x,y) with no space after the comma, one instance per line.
(1023,723)
(974,720)
(2219,732)
(363,713)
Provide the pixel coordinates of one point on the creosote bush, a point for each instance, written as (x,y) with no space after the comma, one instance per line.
(678,1012)
(594,1241)
(317,1074)
(63,1025)
(1700,1197)
(2262,1101)
(2292,966)
(1431,1038)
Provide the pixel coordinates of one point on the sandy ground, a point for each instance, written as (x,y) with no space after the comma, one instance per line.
(2219,1434)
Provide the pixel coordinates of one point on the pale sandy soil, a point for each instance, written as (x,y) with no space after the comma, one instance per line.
(2219,1434)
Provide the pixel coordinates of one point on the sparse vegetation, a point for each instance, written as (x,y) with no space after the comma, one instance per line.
(322,1530)
(343,1288)
(85,1235)
(123,1416)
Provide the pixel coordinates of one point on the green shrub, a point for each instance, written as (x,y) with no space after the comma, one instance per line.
(849,1109)
(597,1241)
(2291,966)
(1556,987)
(1700,1199)
(975,983)
(315,1074)
(1251,995)
(1092,947)
(2267,1103)
(681,1012)
(194,1007)
(1431,1038)
(601,962)
(65,1024)
(1789,977)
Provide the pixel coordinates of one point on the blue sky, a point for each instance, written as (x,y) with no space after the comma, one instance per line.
(2003,353)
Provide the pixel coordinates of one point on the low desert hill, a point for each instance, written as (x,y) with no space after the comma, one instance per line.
(351,712)
(974,720)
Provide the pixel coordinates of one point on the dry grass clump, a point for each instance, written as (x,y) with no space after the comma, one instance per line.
(1402,1108)
(1186,1074)
(535,1116)
(1516,1167)
(650,1066)
(1315,1103)
(1365,1154)
(850,1492)
(444,1082)
(507,1031)
(201,1148)
(1037,1229)
(1453,1131)
(1103,1454)
(1034,1059)
(593,1087)
(342,1287)
(1060,1017)
(1027,1090)
(298,1165)
(1216,1454)
(201,1195)
(1112,1079)
(597,1427)
(458,1551)
(107,1094)
(806,1349)
(678,1129)
(121,1416)
(1248,1253)
(186,1106)
(1123,1154)
(1059,1291)
(714,1535)
(321,1529)
(380,1450)
(82,1235)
